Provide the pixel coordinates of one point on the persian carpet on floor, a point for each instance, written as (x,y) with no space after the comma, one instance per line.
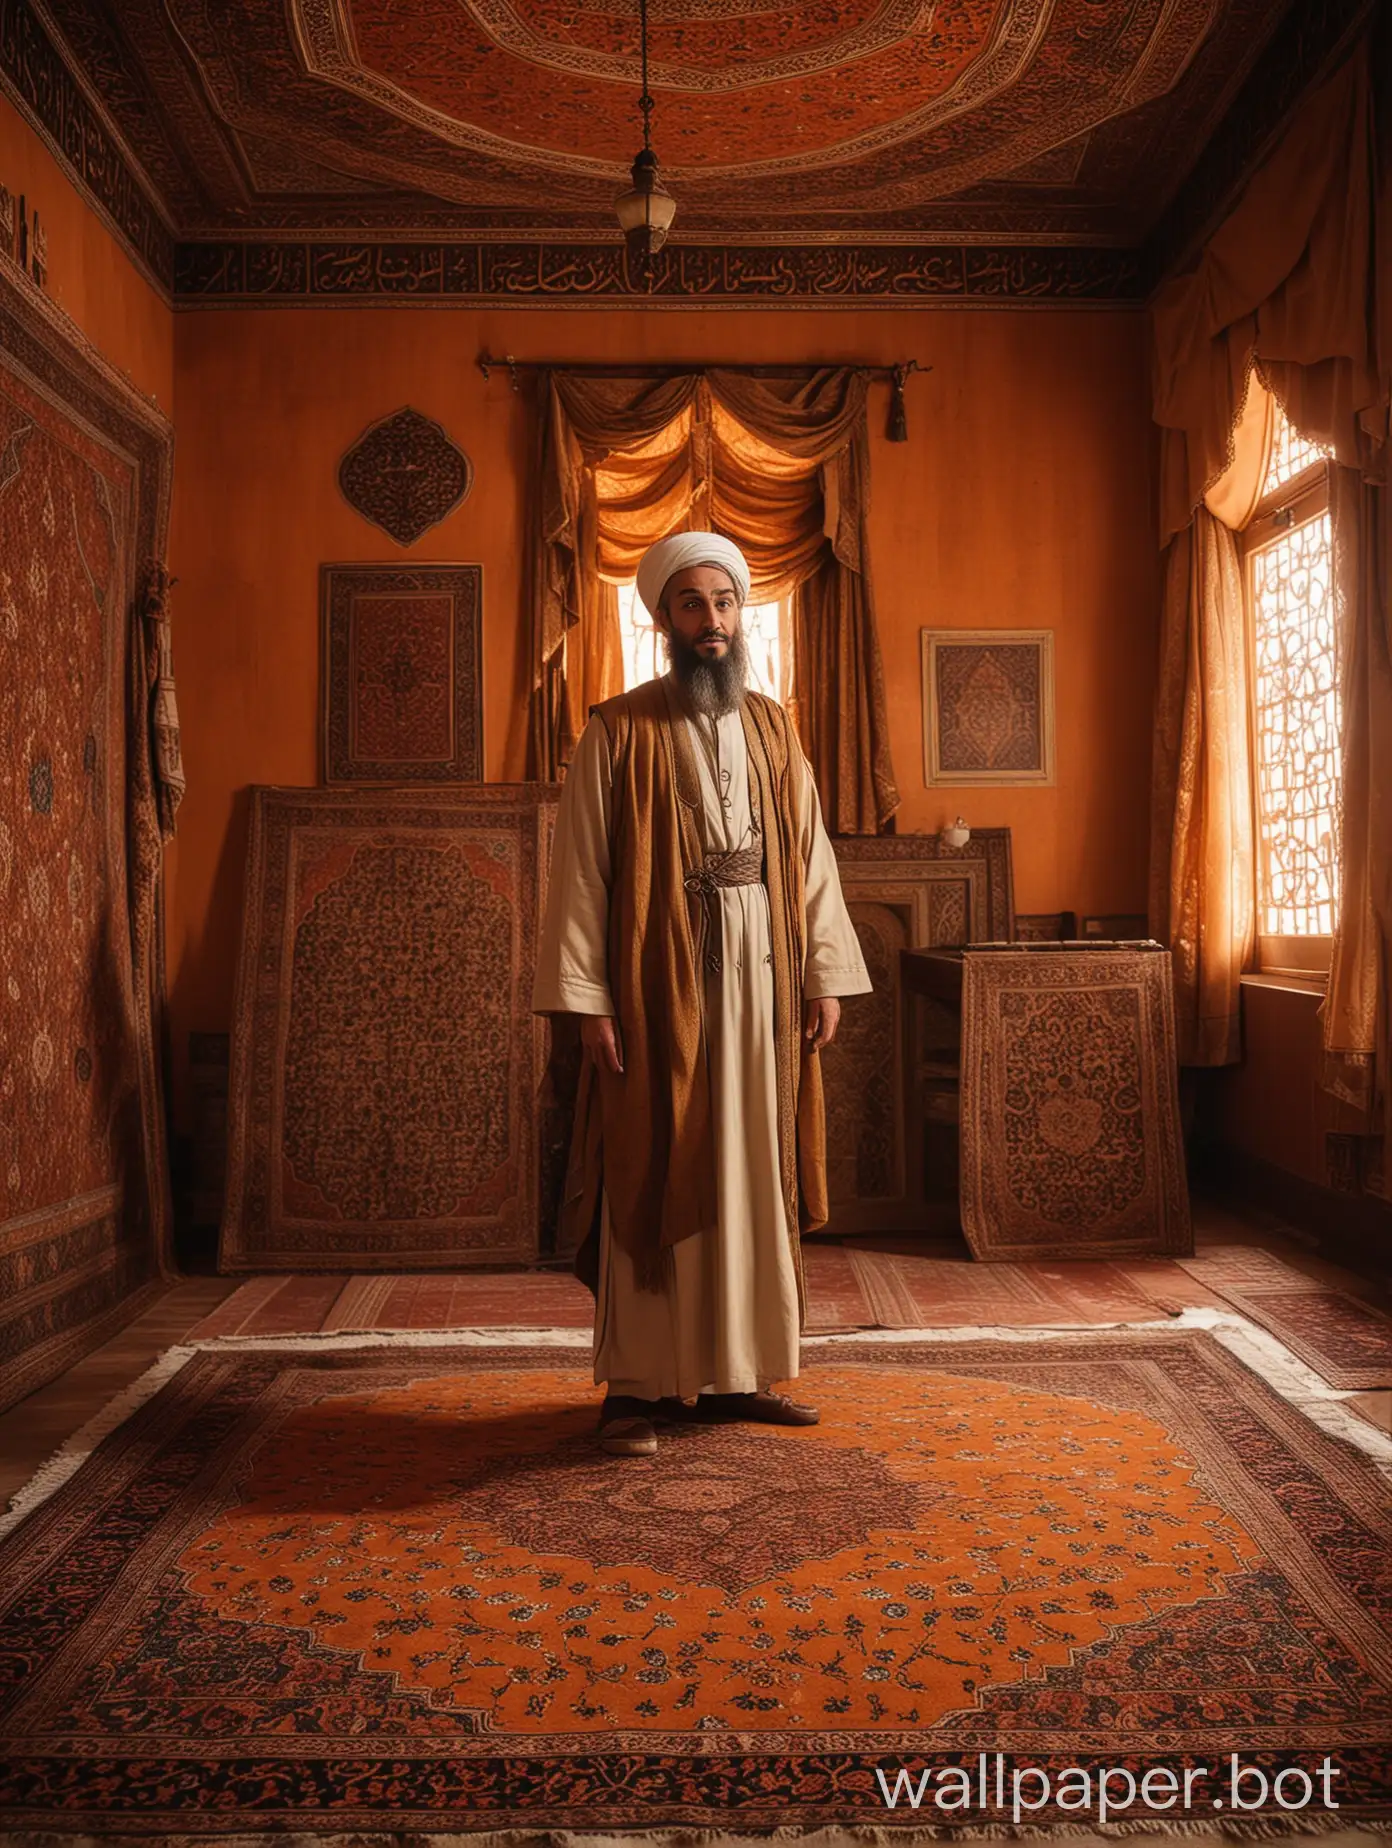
(398,1588)
(1346,1340)
(848,1287)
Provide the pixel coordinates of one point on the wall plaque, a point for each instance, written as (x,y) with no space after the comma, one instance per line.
(405,474)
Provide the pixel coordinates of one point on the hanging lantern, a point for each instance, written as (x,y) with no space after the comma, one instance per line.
(645,212)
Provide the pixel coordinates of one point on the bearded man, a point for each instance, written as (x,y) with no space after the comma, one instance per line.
(695,922)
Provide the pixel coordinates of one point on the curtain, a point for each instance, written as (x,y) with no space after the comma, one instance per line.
(1293,284)
(1201,886)
(1356,1007)
(1203,898)
(779,465)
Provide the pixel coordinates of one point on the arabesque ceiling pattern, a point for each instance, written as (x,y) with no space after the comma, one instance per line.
(845,150)
(1066,120)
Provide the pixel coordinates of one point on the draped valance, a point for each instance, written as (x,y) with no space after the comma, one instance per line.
(778,463)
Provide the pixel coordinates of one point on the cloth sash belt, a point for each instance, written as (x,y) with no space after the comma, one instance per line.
(740,866)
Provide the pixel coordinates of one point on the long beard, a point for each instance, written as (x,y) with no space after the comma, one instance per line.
(713,687)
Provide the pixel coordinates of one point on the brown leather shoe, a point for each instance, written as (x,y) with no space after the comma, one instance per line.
(749,1408)
(626,1426)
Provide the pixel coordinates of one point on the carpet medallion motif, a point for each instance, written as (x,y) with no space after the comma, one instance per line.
(401,694)
(1070,1124)
(392,1587)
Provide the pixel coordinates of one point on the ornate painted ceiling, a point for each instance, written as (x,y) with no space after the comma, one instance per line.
(1039,123)
(1043,118)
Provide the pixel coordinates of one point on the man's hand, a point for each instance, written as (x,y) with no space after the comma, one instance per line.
(599,1034)
(820,1019)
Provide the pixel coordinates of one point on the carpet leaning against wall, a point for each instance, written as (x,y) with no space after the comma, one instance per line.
(386,1064)
(330,1587)
(89,778)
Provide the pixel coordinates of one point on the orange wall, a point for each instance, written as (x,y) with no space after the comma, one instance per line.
(1023,499)
(89,274)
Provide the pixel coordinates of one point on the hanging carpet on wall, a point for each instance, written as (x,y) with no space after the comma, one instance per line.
(385,1060)
(402,693)
(398,1588)
(89,780)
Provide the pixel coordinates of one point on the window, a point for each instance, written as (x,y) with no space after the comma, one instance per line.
(1296,718)
(645,658)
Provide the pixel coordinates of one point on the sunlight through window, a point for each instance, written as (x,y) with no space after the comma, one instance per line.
(1296,702)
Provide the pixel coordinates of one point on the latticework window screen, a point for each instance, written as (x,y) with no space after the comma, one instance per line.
(1291,454)
(1295,694)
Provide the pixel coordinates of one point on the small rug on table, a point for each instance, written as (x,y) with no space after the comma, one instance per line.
(401,1588)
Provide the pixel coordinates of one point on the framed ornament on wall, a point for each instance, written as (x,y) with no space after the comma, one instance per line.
(401,698)
(405,473)
(988,706)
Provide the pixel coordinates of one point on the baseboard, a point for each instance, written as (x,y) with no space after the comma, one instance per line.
(1353,1229)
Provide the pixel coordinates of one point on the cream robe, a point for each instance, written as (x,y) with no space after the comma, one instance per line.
(728,1321)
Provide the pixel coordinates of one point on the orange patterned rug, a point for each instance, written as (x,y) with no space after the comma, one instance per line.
(391,1588)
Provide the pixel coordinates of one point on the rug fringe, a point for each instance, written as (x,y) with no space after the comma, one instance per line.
(1332,1831)
(69,1457)
(334,1339)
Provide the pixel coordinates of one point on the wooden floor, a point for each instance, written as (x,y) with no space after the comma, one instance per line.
(32,1430)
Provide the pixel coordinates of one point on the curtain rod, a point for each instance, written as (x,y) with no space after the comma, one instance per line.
(897,375)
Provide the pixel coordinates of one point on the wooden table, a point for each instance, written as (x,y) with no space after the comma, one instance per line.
(1047,1091)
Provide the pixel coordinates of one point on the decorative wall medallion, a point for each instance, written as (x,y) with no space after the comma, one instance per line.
(405,475)
(988,702)
(403,677)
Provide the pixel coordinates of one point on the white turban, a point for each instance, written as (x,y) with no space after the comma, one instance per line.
(679,553)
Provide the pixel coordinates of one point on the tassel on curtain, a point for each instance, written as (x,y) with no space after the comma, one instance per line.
(780,466)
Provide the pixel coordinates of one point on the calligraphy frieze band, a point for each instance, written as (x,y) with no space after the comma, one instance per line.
(692,275)
(34,73)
